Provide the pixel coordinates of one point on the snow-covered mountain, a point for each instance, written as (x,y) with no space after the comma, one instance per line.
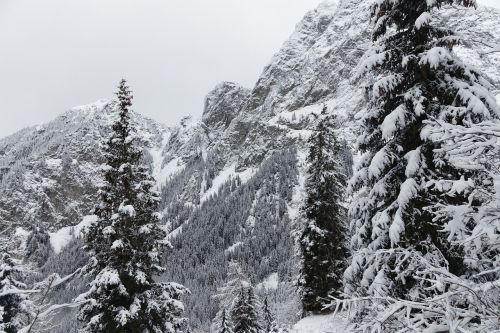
(230,181)
(50,173)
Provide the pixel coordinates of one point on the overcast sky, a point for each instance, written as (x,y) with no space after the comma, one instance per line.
(56,54)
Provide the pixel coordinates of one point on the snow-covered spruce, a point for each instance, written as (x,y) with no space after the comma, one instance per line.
(225,323)
(126,241)
(237,297)
(426,236)
(323,242)
(245,314)
(15,307)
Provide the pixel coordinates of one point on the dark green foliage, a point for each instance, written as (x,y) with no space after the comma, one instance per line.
(323,241)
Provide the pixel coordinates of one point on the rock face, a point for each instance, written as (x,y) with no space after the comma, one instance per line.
(230,181)
(50,173)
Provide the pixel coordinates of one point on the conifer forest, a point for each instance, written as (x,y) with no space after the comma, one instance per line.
(354,188)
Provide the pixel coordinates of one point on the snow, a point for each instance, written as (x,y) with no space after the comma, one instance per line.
(20,232)
(296,116)
(299,195)
(435,57)
(414,162)
(117,244)
(127,210)
(269,283)
(225,175)
(233,247)
(393,121)
(378,163)
(322,324)
(53,163)
(161,173)
(386,84)
(423,20)
(175,232)
(62,237)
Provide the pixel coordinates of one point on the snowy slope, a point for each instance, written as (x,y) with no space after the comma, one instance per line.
(322,324)
(49,174)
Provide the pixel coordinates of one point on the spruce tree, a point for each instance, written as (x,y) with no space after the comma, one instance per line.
(270,325)
(14,305)
(323,241)
(244,314)
(416,201)
(125,242)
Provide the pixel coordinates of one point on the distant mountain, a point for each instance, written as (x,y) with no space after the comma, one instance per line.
(230,182)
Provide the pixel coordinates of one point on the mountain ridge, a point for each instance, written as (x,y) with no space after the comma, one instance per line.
(231,180)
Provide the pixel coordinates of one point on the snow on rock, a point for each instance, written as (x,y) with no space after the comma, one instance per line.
(269,283)
(233,247)
(298,196)
(53,163)
(162,172)
(218,181)
(175,232)
(322,324)
(20,232)
(225,175)
(64,236)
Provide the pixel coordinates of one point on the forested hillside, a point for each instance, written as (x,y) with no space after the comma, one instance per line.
(359,173)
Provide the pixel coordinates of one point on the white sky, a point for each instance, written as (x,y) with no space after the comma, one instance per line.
(56,54)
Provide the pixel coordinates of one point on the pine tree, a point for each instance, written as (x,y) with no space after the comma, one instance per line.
(244,314)
(270,325)
(419,197)
(14,305)
(323,241)
(125,242)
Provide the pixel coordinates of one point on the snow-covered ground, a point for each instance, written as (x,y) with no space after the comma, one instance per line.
(63,236)
(322,324)
(269,283)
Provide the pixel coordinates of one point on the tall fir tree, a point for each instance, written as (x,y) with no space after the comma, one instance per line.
(416,201)
(323,242)
(126,242)
(244,314)
(269,323)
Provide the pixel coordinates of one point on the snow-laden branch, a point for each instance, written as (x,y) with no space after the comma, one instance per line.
(491,48)
(46,287)
(18,292)
(457,307)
